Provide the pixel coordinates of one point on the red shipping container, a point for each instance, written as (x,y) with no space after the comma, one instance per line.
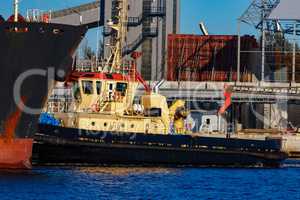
(206,58)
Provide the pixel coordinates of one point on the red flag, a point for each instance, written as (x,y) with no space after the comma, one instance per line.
(227,103)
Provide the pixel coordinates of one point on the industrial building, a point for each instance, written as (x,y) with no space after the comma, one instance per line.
(150,22)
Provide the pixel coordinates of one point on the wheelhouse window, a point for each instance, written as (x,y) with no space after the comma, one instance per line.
(87,87)
(76,91)
(111,86)
(121,87)
(98,86)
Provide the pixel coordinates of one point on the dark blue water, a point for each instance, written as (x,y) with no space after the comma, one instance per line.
(151,183)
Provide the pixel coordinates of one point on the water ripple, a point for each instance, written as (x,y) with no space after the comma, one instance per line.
(151,183)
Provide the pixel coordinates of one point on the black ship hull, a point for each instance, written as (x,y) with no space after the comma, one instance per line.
(65,146)
(31,55)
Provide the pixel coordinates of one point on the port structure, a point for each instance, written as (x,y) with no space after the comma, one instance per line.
(258,11)
(89,14)
(265,92)
(241,93)
(148,31)
(279,40)
(272,94)
(256,15)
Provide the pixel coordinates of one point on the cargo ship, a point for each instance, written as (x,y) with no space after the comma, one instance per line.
(15,153)
(33,54)
(109,126)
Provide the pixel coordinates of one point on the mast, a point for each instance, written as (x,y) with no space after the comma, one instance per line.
(121,28)
(16,10)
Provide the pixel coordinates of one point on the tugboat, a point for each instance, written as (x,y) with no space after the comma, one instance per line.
(33,54)
(108,125)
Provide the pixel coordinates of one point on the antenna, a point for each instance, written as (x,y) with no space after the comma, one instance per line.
(16,10)
(121,28)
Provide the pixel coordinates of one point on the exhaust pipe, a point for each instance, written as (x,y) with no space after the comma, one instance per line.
(157,86)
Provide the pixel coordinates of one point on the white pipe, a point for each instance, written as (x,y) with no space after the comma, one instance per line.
(16,10)
(157,86)
(203,28)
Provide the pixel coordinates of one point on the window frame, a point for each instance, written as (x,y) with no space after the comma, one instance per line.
(83,87)
(98,87)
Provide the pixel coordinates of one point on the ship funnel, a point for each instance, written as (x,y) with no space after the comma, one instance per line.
(157,86)
(203,28)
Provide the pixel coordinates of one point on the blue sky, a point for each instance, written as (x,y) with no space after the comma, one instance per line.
(219,15)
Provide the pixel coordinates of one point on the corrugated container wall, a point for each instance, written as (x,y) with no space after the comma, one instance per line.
(208,58)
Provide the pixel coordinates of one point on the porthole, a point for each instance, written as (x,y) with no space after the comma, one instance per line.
(93,123)
(105,124)
(132,126)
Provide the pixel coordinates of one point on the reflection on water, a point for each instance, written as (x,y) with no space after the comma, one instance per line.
(124,171)
(292,163)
